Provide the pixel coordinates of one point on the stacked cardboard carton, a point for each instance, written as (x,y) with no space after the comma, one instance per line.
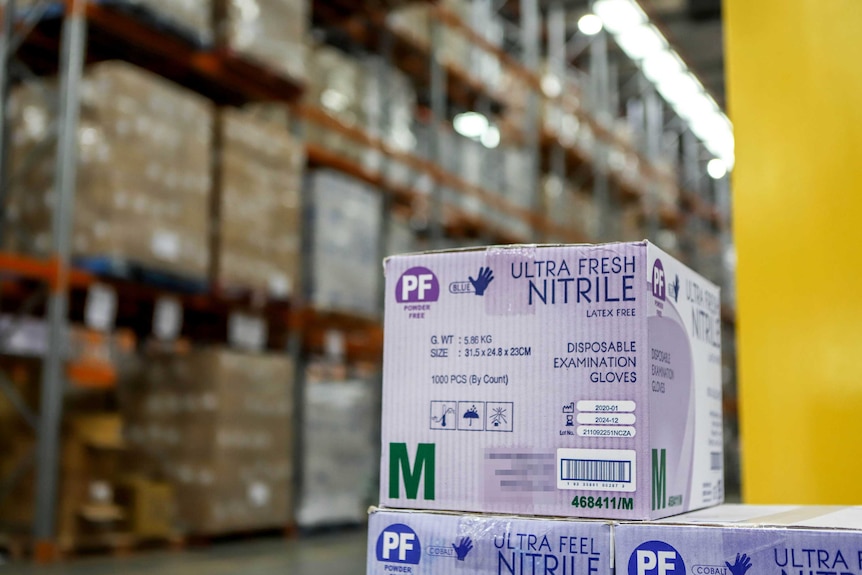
(565,381)
(143,171)
(728,539)
(217,425)
(390,101)
(362,93)
(345,218)
(336,87)
(262,167)
(414,20)
(339,450)
(733,539)
(270,32)
(569,381)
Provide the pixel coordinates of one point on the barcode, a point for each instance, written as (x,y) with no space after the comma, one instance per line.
(595,470)
(716,461)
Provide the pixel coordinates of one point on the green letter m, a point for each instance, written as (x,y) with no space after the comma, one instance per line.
(399,465)
(659,479)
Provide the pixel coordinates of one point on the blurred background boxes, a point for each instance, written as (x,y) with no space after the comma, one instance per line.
(270,32)
(150,505)
(345,218)
(260,215)
(143,171)
(217,425)
(339,468)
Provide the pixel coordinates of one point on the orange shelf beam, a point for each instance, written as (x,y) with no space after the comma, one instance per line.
(41,270)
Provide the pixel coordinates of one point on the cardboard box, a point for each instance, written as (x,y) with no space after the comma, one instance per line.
(270,32)
(262,166)
(345,219)
(441,544)
(217,425)
(740,539)
(144,171)
(150,506)
(340,449)
(555,380)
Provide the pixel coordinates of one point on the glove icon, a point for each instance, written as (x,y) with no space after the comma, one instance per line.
(463,548)
(480,284)
(742,564)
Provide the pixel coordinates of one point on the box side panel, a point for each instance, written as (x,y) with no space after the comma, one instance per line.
(651,549)
(686,440)
(515,381)
(436,544)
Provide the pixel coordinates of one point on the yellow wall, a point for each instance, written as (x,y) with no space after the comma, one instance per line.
(795,92)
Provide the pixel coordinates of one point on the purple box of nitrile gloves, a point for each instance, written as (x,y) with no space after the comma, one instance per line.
(435,543)
(744,540)
(580,381)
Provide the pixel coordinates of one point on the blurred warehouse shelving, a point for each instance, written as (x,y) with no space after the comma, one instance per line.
(399,126)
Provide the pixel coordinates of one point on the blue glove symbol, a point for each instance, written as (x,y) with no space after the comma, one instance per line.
(742,564)
(464,547)
(480,284)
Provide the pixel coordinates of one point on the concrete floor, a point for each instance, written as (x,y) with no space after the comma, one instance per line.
(331,554)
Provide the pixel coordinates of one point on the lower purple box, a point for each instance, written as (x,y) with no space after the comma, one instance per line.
(744,540)
(433,543)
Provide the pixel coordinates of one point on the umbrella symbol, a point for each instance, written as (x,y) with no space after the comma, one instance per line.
(471,414)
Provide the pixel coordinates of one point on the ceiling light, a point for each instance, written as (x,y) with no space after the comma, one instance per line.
(659,66)
(722,146)
(640,42)
(644,44)
(619,15)
(694,107)
(716,169)
(590,24)
(471,124)
(707,127)
(679,87)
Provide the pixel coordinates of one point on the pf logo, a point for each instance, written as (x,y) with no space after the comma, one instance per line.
(399,544)
(417,285)
(659,286)
(656,558)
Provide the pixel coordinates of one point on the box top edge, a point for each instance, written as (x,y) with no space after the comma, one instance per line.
(510,247)
(444,513)
(796,517)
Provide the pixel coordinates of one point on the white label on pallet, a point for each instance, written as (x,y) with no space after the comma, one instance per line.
(101,307)
(167,318)
(279,285)
(165,245)
(246,331)
(259,494)
(334,344)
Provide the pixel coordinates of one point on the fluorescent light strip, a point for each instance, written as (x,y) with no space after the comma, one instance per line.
(646,46)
